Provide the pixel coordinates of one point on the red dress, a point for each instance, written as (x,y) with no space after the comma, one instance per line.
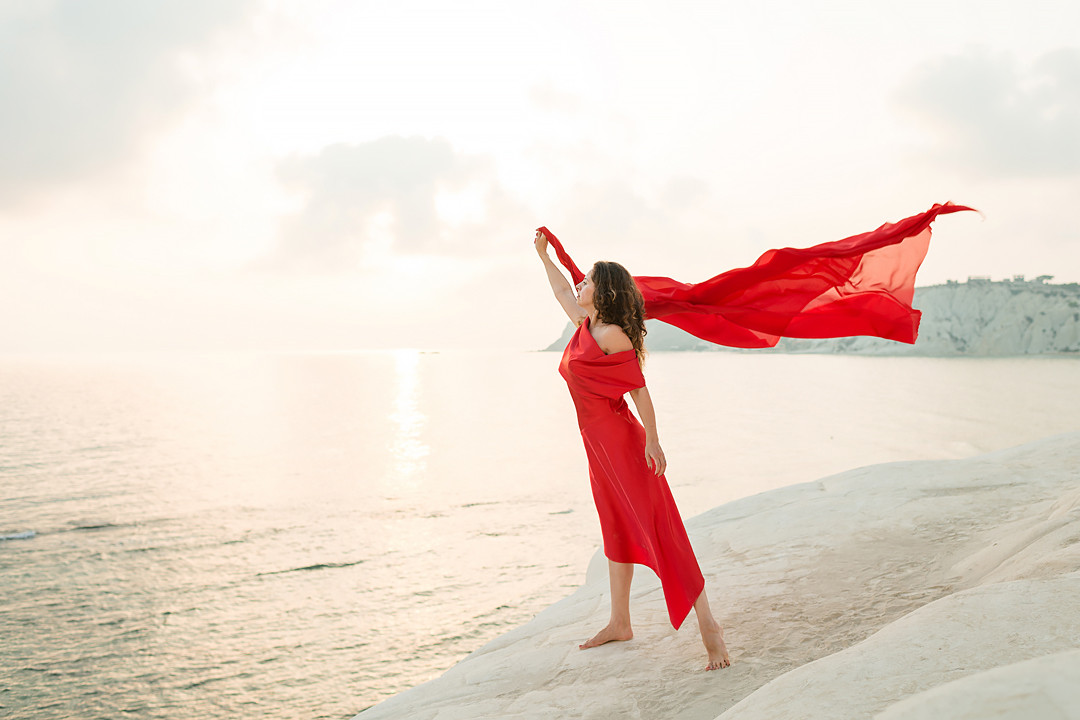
(638,517)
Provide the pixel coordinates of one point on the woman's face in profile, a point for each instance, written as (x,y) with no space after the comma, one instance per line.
(585,291)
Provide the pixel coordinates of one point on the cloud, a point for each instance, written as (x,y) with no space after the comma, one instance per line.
(400,195)
(994,115)
(83,83)
(547,97)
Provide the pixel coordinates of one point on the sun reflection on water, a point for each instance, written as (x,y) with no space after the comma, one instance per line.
(407,450)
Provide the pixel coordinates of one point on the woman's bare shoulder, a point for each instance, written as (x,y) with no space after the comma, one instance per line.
(612,339)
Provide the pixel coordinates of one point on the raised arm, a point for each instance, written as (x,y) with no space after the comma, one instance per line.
(564,292)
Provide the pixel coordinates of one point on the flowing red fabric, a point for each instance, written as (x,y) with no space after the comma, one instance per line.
(638,517)
(861,285)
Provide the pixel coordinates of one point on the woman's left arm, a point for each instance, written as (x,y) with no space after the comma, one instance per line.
(654,456)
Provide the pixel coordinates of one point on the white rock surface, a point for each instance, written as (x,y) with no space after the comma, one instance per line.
(957,636)
(1046,687)
(847,597)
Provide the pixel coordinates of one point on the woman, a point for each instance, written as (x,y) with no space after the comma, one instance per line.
(860,285)
(638,516)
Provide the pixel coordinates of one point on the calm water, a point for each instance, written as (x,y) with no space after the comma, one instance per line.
(300,536)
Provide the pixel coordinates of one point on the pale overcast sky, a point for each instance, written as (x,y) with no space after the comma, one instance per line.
(335,175)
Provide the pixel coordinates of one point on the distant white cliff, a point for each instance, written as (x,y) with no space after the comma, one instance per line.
(979,317)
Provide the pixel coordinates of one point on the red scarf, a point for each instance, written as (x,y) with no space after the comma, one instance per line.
(861,285)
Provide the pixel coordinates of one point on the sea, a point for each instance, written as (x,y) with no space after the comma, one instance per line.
(291,535)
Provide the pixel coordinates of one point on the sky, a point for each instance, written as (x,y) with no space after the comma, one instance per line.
(329,176)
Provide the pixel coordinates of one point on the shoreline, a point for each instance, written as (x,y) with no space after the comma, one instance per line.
(906,585)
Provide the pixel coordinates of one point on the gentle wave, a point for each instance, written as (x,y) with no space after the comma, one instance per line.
(72,527)
(25,535)
(320,566)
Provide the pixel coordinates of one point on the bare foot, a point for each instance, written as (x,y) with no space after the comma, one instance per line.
(714,644)
(612,633)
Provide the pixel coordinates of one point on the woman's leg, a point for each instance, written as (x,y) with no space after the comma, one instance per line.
(618,628)
(711,634)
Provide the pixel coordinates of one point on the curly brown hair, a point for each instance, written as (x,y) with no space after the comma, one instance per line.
(618,301)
